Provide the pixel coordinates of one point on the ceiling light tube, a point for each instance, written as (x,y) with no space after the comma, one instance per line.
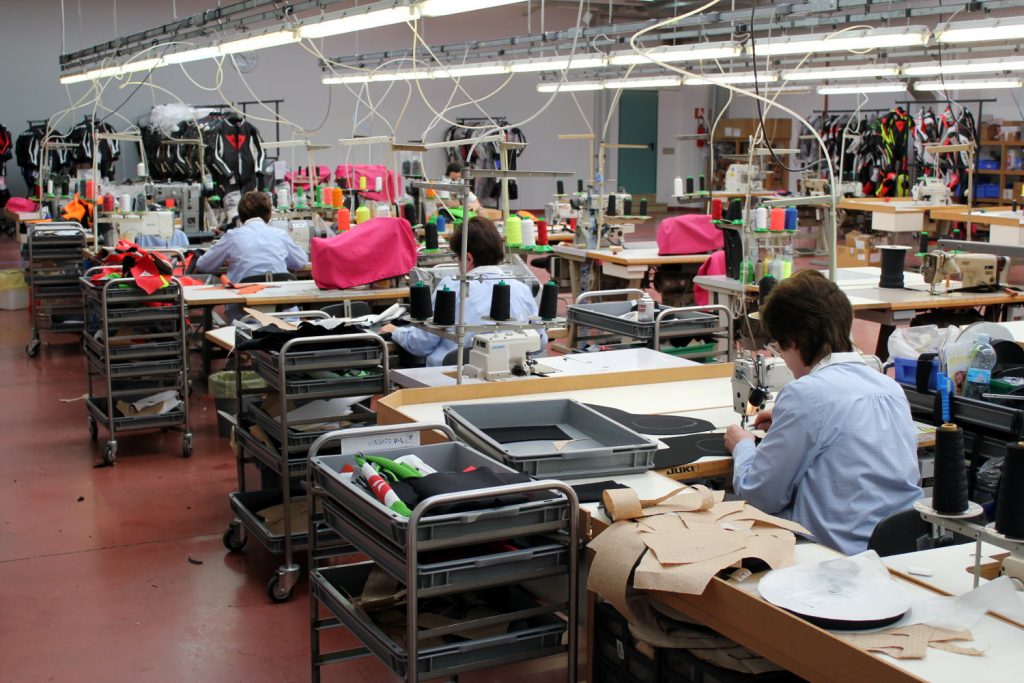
(193,55)
(838,74)
(443,8)
(969,85)
(860,39)
(470,70)
(676,53)
(345,80)
(75,78)
(861,88)
(351,23)
(652,82)
(570,86)
(980,31)
(731,79)
(387,76)
(968,66)
(559,63)
(259,42)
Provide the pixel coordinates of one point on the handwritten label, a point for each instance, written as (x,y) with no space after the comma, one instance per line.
(379,442)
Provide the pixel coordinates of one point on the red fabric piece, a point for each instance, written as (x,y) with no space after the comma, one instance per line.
(714,265)
(377,249)
(392,183)
(236,141)
(21,205)
(148,269)
(688,234)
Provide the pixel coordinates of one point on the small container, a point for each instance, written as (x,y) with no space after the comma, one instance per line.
(645,309)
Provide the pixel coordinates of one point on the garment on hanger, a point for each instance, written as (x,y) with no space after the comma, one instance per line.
(106,152)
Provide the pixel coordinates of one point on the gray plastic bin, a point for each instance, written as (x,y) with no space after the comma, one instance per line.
(585,443)
(611,316)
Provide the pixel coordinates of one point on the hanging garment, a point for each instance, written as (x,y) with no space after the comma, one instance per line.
(106,152)
(234,152)
(28,148)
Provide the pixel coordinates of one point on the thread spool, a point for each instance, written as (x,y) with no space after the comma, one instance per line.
(125,202)
(282,196)
(514,231)
(956,233)
(689,184)
(777,220)
(791,218)
(643,207)
(362,183)
(140,170)
(735,210)
(559,187)
(326,195)
(1010,506)
(378,184)
(627,206)
(170,202)
(764,287)
(677,187)
(573,221)
(716,209)
(109,202)
(761,218)
(949,491)
(442,223)
(501,301)
(409,213)
(703,184)
(383,210)
(542,233)
(529,233)
(579,185)
(337,197)
(419,298)
(922,243)
(49,187)
(430,236)
(344,219)
(549,300)
(90,189)
(611,210)
(893,258)
(444,307)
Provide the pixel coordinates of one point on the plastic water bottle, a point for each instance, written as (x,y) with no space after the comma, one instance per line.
(979,373)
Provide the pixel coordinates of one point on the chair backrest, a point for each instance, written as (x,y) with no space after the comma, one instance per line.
(451,358)
(899,533)
(269,277)
(358,309)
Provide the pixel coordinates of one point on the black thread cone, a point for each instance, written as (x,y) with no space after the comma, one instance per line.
(611,211)
(703,184)
(549,300)
(892,267)
(501,301)
(689,184)
(560,185)
(627,207)
(1010,506)
(579,184)
(444,307)
(949,492)
(643,207)
(922,246)
(419,296)
(430,235)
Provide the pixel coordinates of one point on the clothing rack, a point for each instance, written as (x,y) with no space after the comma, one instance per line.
(244,106)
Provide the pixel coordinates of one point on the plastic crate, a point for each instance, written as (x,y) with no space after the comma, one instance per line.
(988,164)
(906,372)
(247,506)
(597,446)
(542,513)
(300,441)
(529,636)
(608,316)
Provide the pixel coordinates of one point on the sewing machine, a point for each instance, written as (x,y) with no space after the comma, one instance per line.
(301,231)
(817,187)
(188,202)
(754,380)
(500,355)
(973,269)
(743,178)
(130,226)
(558,211)
(931,190)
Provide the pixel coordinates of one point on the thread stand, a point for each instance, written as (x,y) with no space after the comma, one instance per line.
(959,524)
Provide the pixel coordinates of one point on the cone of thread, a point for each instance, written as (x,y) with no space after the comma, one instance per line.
(419,298)
(501,301)
(949,492)
(444,307)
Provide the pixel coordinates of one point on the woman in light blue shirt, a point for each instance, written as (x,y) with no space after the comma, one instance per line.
(840,451)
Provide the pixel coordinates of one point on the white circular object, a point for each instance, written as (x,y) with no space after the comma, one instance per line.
(993,330)
(529,233)
(925,505)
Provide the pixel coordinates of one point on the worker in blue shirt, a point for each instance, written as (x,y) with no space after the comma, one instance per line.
(254,248)
(485,252)
(840,452)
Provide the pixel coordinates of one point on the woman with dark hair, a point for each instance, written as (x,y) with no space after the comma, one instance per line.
(484,252)
(840,451)
(453,173)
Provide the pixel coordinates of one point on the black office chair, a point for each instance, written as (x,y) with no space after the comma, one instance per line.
(268,277)
(358,309)
(452,356)
(906,532)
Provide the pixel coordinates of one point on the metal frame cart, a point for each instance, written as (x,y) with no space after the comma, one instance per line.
(55,253)
(305,369)
(152,358)
(545,527)
(669,323)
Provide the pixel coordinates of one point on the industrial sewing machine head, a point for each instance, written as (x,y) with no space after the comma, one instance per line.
(502,354)
(931,190)
(154,223)
(754,380)
(972,270)
(742,178)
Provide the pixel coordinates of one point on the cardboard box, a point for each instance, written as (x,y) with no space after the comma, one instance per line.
(851,257)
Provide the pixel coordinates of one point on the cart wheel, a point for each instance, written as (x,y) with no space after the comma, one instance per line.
(93,429)
(110,455)
(274,590)
(186,446)
(233,539)
(32,348)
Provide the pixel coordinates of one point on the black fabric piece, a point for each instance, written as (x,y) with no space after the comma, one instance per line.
(527,433)
(843,625)
(682,450)
(272,338)
(924,371)
(655,424)
(412,491)
(591,493)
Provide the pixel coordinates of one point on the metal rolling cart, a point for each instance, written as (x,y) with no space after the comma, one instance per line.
(610,322)
(55,253)
(136,342)
(439,553)
(305,369)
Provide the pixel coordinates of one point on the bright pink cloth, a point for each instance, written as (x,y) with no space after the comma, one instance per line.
(377,249)
(21,205)
(391,182)
(688,234)
(713,265)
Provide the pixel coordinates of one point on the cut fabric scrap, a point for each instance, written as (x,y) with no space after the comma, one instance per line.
(381,489)
(626,504)
(912,642)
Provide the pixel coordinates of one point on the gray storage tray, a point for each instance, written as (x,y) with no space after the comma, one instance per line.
(299,442)
(335,387)
(155,346)
(543,513)
(601,446)
(97,406)
(441,578)
(606,315)
(539,636)
(247,505)
(135,368)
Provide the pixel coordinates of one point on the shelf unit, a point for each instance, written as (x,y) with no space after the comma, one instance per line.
(491,553)
(55,253)
(305,369)
(1006,177)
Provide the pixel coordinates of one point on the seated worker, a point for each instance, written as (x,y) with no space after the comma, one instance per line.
(179,240)
(255,248)
(453,173)
(485,251)
(840,452)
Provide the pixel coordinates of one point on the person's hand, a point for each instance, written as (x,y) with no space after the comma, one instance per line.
(763,419)
(387,329)
(734,434)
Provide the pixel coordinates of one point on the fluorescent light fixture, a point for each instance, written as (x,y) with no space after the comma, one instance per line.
(193,55)
(75,78)
(860,39)
(861,88)
(838,74)
(259,42)
(442,8)
(981,31)
(969,85)
(676,53)
(570,86)
(652,82)
(359,22)
(111,71)
(343,80)
(966,66)
(387,76)
(732,79)
(470,70)
(559,63)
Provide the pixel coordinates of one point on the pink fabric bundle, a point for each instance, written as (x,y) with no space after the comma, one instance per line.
(714,265)
(323,174)
(21,205)
(688,234)
(391,183)
(377,249)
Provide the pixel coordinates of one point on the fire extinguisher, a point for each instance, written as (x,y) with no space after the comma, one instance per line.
(702,126)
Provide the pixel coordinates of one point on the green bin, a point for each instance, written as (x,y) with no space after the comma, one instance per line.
(222,388)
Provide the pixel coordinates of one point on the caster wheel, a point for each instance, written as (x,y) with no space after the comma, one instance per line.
(274,591)
(186,446)
(110,455)
(32,348)
(234,540)
(93,429)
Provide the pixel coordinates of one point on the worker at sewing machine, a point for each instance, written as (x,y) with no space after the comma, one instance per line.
(485,252)
(839,453)
(453,174)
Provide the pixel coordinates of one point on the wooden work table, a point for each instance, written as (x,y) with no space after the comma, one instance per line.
(630,263)
(896,214)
